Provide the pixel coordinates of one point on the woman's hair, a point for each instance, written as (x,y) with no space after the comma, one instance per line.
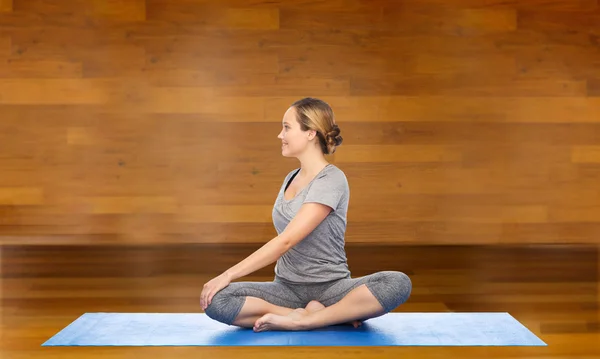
(315,114)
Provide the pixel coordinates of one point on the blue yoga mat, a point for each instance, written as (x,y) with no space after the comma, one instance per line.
(392,329)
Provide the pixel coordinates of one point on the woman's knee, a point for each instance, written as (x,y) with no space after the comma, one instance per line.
(224,306)
(403,285)
(394,289)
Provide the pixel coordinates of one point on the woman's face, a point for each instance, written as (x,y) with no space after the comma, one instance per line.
(294,140)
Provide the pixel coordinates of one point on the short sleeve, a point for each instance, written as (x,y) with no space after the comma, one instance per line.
(327,189)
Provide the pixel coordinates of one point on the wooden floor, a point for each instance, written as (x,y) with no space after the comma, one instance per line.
(553,290)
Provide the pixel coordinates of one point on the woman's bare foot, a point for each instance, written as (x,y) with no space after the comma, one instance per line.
(298,314)
(356,323)
(314,306)
(292,321)
(279,322)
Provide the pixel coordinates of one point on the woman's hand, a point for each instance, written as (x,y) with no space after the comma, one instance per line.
(265,255)
(212,287)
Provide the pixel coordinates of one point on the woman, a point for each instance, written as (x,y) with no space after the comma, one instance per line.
(312,287)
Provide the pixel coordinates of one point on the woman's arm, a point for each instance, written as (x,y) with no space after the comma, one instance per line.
(306,220)
(264,256)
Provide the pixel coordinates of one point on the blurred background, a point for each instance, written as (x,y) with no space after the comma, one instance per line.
(138,139)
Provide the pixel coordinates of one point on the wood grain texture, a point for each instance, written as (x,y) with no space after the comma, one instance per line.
(551,290)
(6,5)
(464,121)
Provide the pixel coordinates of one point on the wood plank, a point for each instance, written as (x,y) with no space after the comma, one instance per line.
(6,5)
(131,10)
(463,86)
(21,196)
(399,153)
(427,19)
(586,154)
(594,87)
(576,5)
(5,47)
(51,91)
(492,109)
(555,20)
(40,69)
(211,16)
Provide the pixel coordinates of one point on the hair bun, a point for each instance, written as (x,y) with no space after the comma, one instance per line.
(333,137)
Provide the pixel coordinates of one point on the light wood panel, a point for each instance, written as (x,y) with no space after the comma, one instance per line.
(6,5)
(156,121)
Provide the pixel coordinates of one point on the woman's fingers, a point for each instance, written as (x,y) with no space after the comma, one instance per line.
(209,290)
(205,297)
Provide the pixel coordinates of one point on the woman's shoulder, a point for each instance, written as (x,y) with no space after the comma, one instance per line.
(333,174)
(333,171)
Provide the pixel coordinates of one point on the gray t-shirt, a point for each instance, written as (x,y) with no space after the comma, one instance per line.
(320,256)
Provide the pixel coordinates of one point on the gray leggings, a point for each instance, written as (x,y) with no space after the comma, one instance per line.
(389,287)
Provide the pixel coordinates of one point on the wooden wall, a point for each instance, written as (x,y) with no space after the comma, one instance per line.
(464,121)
